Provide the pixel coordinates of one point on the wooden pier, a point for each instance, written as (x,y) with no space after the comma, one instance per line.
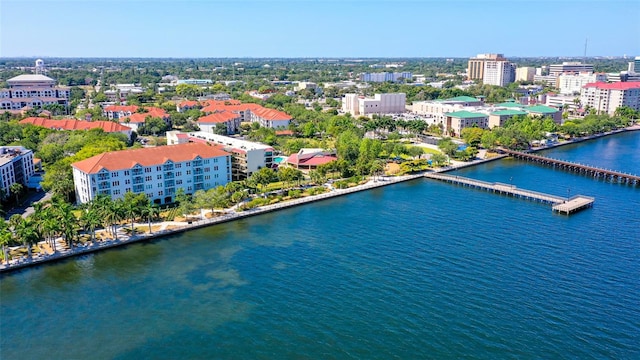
(558,203)
(578,168)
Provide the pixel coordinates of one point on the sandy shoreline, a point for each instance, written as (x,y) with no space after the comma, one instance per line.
(178,227)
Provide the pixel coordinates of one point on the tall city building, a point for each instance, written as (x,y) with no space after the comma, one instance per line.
(475,69)
(573,83)
(570,67)
(498,72)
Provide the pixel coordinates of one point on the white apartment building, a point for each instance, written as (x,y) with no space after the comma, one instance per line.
(572,83)
(34,91)
(16,166)
(302,85)
(248,157)
(157,172)
(607,97)
(525,73)
(355,104)
(570,67)
(499,73)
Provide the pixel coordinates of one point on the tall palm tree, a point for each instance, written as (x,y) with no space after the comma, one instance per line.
(150,211)
(90,219)
(27,233)
(5,238)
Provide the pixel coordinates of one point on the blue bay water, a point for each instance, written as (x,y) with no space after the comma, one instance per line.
(421,269)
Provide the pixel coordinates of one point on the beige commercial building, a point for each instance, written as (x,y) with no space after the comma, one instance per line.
(475,69)
(525,73)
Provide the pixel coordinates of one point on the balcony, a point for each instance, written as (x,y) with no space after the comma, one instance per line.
(196,163)
(170,183)
(138,180)
(102,177)
(199,186)
(167,167)
(138,188)
(198,172)
(197,179)
(104,185)
(169,175)
(136,172)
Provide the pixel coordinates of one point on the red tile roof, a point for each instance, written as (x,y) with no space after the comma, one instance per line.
(73,124)
(138,118)
(188,103)
(615,86)
(271,114)
(315,160)
(218,117)
(127,159)
(123,108)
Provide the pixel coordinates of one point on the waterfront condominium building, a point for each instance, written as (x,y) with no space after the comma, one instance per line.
(498,72)
(475,68)
(607,97)
(569,84)
(34,91)
(355,104)
(247,156)
(570,67)
(157,172)
(16,166)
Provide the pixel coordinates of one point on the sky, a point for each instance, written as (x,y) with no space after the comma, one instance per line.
(318,28)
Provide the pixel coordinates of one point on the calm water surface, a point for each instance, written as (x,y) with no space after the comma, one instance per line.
(416,270)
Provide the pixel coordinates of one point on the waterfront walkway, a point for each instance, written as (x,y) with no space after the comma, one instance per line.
(579,168)
(559,204)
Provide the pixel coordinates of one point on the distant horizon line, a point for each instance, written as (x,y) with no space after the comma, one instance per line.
(317,57)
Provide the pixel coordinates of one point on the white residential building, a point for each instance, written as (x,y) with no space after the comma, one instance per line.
(435,110)
(572,83)
(34,91)
(157,172)
(380,104)
(16,166)
(248,157)
(570,67)
(607,97)
(499,73)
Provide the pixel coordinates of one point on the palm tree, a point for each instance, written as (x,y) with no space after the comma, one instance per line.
(27,233)
(90,219)
(16,189)
(150,211)
(5,238)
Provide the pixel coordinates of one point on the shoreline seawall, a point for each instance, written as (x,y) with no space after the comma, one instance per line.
(18,264)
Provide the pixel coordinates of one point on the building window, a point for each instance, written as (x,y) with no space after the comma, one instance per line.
(116,192)
(178,166)
(207,169)
(114,174)
(126,172)
(178,173)
(115,183)
(188,163)
(179,182)
(159,185)
(215,168)
(160,193)
(127,181)
(149,186)
(206,161)
(159,177)
(148,178)
(147,170)
(158,168)
(188,172)
(207,177)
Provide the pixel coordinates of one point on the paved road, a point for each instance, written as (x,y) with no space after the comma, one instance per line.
(26,209)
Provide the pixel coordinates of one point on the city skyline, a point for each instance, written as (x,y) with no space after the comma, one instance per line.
(302,29)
